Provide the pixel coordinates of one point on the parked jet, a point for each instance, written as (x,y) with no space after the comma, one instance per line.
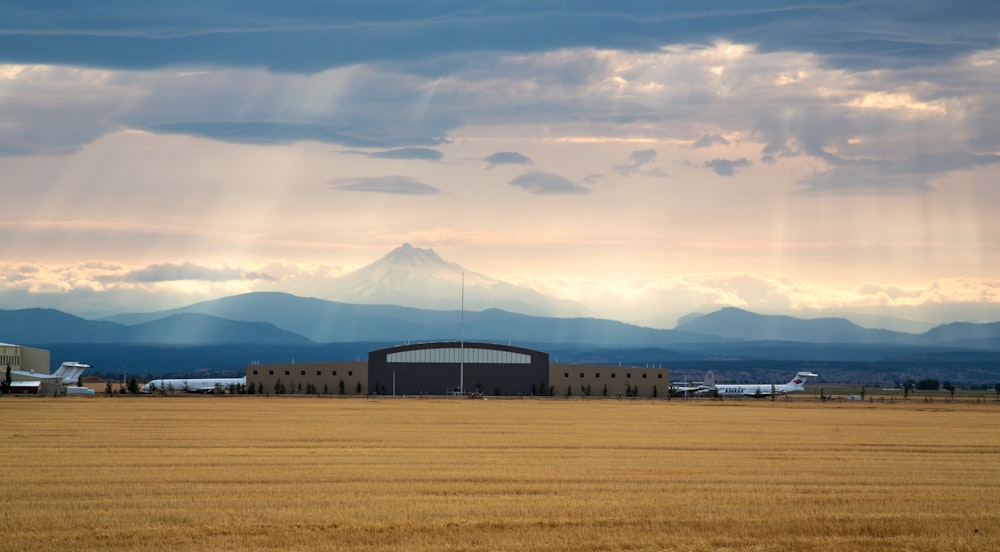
(756,389)
(201,385)
(709,387)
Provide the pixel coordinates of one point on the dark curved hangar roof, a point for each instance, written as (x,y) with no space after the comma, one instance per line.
(440,367)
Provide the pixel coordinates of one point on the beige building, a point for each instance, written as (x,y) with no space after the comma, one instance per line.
(24,359)
(326,378)
(578,380)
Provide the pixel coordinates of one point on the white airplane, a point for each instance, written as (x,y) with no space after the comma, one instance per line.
(192,385)
(709,387)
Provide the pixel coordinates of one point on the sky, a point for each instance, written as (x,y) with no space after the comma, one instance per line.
(645,158)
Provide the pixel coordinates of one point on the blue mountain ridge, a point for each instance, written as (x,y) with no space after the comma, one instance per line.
(224,335)
(271,317)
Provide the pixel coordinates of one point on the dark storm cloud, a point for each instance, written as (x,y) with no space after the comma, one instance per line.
(727,167)
(543,183)
(186,271)
(306,37)
(401,185)
(507,158)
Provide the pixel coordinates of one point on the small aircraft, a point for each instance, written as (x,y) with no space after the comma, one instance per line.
(709,387)
(200,385)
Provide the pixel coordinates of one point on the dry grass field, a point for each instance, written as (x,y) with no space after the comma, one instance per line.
(256,473)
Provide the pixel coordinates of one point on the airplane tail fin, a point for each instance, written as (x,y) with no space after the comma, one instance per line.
(70,372)
(800,379)
(709,379)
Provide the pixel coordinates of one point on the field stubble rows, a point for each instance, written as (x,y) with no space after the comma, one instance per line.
(241,473)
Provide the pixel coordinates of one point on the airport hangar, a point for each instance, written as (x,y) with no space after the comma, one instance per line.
(438,368)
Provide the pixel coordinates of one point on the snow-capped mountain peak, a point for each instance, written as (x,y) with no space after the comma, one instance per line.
(407,260)
(417,277)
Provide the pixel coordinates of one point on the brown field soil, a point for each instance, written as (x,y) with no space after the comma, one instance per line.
(303,473)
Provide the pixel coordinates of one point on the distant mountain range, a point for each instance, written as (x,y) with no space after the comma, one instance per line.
(738,324)
(269,326)
(48,326)
(280,318)
(220,337)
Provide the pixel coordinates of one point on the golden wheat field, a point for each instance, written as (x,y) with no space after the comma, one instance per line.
(256,473)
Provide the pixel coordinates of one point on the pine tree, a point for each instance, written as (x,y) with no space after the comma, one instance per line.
(5,384)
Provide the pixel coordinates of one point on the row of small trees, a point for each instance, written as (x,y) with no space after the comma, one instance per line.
(309,389)
(131,387)
(585,390)
(934,385)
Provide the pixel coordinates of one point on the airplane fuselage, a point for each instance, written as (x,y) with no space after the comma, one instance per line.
(191,385)
(709,387)
(755,389)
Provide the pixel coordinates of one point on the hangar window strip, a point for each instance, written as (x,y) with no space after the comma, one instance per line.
(453,356)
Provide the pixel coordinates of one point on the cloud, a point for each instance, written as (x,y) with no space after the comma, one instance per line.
(313,37)
(186,271)
(49,109)
(659,302)
(544,183)
(852,181)
(358,106)
(710,140)
(639,163)
(507,158)
(727,167)
(800,106)
(102,287)
(888,177)
(56,109)
(402,185)
(426,154)
(260,132)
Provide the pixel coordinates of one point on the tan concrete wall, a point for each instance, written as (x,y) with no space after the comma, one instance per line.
(614,379)
(297,377)
(35,359)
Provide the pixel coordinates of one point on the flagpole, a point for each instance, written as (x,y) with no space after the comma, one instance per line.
(461,360)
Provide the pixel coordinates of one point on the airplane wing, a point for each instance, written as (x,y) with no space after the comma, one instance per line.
(201,388)
(688,390)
